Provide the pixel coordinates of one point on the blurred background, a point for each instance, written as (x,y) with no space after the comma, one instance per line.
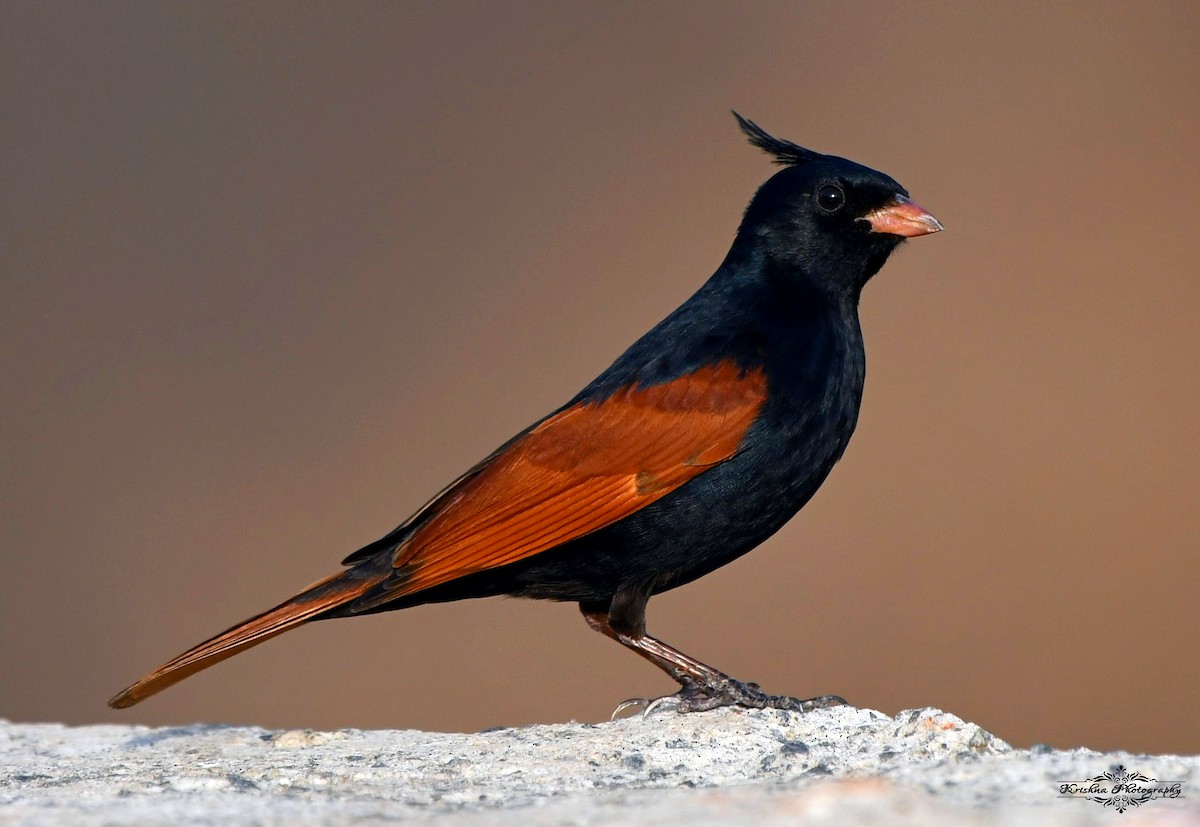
(273,274)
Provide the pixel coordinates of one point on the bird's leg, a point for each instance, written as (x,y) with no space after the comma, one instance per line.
(702,687)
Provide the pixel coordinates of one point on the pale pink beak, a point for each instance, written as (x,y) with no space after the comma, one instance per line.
(902,217)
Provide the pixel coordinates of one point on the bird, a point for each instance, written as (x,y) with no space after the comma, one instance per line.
(697,444)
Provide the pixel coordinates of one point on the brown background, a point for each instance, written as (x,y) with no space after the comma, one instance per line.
(273,274)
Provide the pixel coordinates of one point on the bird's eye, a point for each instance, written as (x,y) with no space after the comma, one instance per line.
(830,197)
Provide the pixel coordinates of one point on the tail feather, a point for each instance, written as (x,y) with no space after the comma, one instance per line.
(317,599)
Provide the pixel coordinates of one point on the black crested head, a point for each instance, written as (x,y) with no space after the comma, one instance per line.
(785,152)
(825,221)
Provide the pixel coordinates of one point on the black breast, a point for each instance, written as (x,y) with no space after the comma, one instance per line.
(815,370)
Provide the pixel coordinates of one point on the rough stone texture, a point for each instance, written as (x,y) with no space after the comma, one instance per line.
(833,767)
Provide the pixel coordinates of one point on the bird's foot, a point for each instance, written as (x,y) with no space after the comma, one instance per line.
(699,697)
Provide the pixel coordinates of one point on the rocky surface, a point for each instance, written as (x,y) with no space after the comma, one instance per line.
(841,766)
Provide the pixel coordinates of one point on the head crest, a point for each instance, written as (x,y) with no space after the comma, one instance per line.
(785,152)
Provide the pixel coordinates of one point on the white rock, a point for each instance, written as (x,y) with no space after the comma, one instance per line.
(841,766)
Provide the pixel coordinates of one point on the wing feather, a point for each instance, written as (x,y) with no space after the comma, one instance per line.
(582,469)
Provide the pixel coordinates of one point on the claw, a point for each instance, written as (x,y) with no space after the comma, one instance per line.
(641,704)
(824,702)
(665,702)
